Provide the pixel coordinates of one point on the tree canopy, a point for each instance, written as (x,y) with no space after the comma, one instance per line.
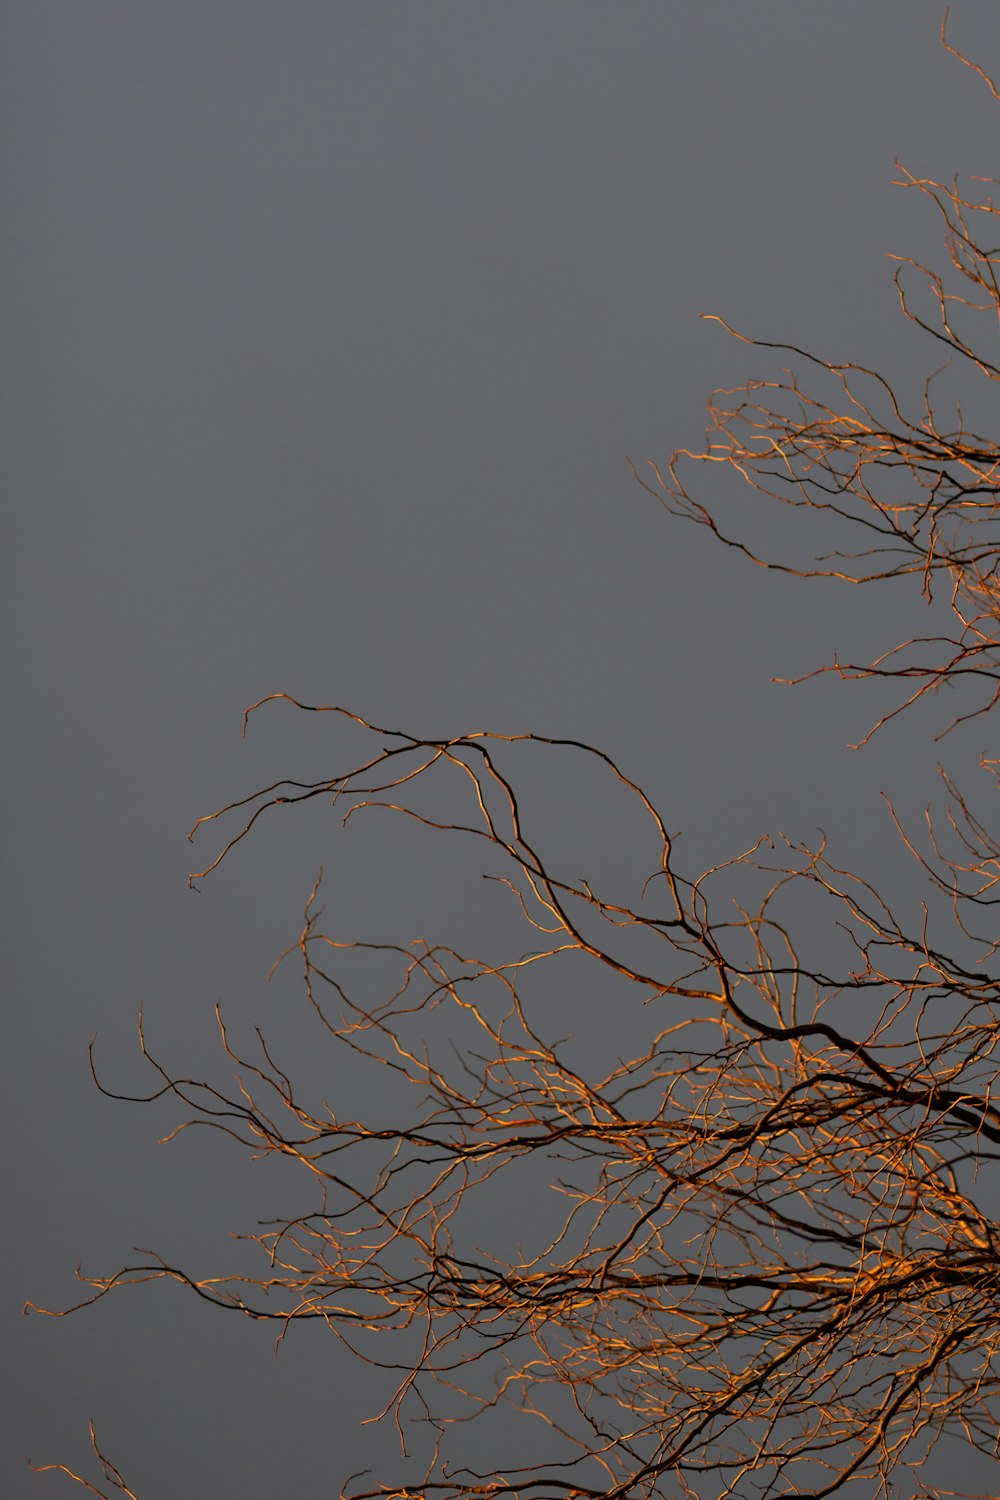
(774,1269)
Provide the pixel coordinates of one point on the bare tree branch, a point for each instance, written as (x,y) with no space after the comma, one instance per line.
(775,1269)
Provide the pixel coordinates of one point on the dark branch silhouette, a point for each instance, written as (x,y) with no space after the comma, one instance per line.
(777,1267)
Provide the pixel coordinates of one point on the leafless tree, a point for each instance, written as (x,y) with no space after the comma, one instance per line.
(776,1271)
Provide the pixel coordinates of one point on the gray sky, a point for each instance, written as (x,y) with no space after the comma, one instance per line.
(329,329)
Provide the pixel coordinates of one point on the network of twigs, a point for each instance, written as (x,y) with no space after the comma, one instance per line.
(775,1272)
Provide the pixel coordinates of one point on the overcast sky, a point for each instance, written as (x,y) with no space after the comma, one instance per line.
(329,331)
